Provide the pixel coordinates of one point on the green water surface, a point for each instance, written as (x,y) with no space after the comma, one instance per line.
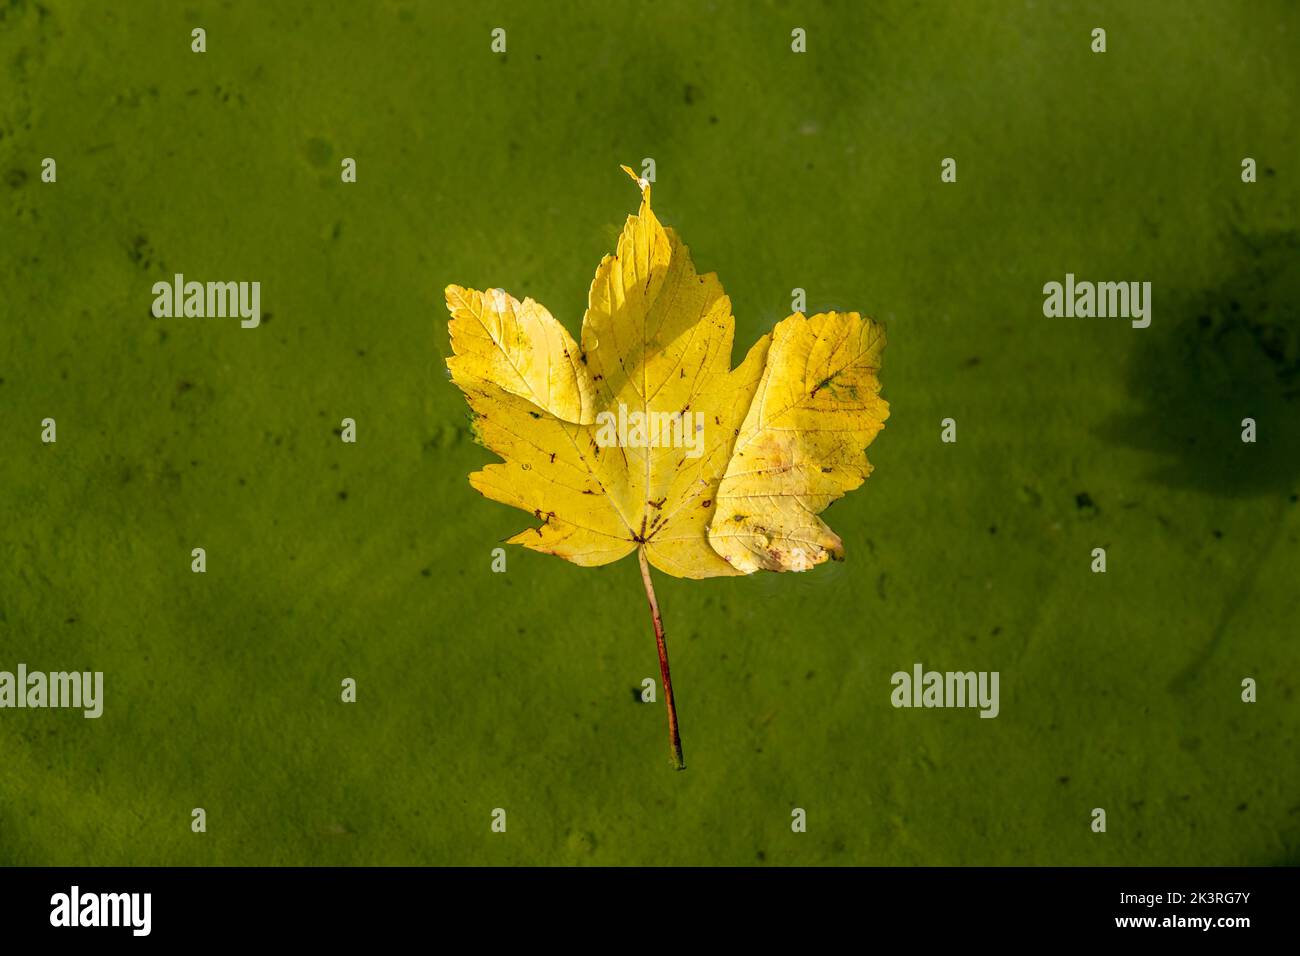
(520,690)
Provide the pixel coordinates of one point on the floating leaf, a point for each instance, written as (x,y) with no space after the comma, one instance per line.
(644,438)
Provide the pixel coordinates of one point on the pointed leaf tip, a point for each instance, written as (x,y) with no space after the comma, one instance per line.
(643,183)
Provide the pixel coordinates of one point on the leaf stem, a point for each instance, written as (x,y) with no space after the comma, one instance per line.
(674,735)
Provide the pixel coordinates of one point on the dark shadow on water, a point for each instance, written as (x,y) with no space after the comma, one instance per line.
(1222,355)
(1226,354)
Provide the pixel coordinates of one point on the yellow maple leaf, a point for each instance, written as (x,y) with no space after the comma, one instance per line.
(644,438)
